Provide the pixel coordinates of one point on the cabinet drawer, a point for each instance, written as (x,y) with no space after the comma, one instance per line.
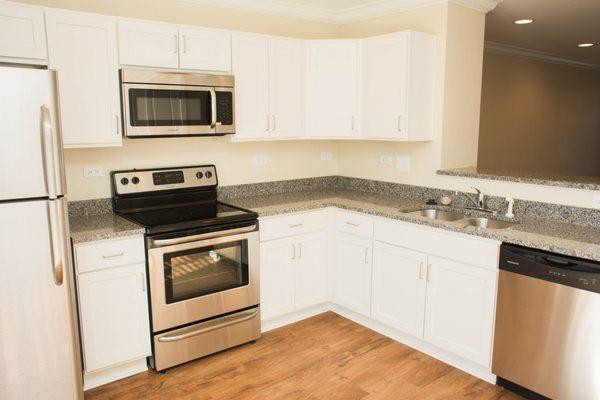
(354,224)
(450,245)
(111,253)
(289,225)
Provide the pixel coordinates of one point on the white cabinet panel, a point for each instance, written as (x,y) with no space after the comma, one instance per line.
(204,50)
(352,272)
(310,270)
(114,316)
(399,288)
(83,50)
(22,33)
(460,309)
(285,87)
(250,65)
(334,87)
(276,277)
(294,224)
(147,44)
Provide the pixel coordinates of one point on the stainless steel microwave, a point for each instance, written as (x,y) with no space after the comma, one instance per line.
(166,104)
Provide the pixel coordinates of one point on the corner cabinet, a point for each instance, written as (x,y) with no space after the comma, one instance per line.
(334,87)
(22,33)
(269,83)
(399,77)
(83,50)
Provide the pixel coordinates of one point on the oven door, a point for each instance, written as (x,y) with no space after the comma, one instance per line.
(202,278)
(168,110)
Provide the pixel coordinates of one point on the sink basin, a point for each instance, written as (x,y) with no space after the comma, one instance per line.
(438,214)
(489,223)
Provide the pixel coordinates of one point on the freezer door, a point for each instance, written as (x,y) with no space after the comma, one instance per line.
(31,157)
(39,356)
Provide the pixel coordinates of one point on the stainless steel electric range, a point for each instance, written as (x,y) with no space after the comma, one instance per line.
(202,260)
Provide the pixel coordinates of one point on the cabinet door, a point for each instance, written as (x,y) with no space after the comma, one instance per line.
(310,270)
(114,316)
(276,277)
(147,44)
(460,308)
(250,65)
(83,50)
(385,86)
(333,81)
(352,272)
(22,32)
(285,87)
(399,288)
(204,50)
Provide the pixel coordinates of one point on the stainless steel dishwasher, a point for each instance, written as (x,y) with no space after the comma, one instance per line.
(547,338)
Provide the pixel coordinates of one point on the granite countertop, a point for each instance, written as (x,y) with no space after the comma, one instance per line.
(89,228)
(537,178)
(559,237)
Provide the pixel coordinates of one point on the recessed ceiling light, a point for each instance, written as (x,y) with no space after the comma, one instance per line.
(523,21)
(585,44)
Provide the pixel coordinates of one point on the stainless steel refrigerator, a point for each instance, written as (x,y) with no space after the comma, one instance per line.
(39,344)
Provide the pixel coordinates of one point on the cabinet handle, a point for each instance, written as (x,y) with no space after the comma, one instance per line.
(112,255)
(273,122)
(117,123)
(352,224)
(366,255)
(296,225)
(400,123)
(299,251)
(421,270)
(183,43)
(268,127)
(143,282)
(293,251)
(176,43)
(352,122)
(427,275)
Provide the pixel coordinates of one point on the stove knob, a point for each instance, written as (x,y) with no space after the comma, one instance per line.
(199,175)
(208,174)
(124,181)
(135,180)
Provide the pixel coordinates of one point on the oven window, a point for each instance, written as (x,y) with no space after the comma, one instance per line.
(205,270)
(162,107)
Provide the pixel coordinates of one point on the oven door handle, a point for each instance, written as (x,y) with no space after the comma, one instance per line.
(208,328)
(202,236)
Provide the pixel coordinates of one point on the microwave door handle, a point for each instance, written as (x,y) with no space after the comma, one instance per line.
(213,108)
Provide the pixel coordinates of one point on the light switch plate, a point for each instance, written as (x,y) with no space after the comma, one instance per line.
(596,201)
(403,163)
(385,159)
(326,156)
(92,171)
(259,159)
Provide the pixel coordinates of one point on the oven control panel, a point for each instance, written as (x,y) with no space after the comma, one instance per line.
(151,180)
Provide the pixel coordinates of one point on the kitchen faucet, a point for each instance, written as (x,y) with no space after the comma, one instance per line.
(479,201)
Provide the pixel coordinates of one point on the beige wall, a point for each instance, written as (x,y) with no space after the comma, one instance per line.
(539,116)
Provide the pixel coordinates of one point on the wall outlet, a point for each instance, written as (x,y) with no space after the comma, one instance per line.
(326,156)
(259,159)
(384,159)
(596,201)
(403,163)
(92,171)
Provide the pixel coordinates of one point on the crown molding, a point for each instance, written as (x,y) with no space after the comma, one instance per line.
(523,52)
(374,9)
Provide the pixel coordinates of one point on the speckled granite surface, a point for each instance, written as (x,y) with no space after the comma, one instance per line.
(572,181)
(564,238)
(88,228)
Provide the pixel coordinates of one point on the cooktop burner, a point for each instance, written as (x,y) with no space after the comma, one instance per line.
(173,199)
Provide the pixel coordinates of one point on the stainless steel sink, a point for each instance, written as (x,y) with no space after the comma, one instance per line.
(438,214)
(488,223)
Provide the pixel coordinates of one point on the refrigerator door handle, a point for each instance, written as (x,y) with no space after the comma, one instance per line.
(57,227)
(48,149)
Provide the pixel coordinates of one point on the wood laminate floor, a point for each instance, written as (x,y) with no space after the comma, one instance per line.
(321,358)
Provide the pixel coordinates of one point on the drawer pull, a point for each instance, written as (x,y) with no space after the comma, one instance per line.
(296,225)
(112,255)
(352,224)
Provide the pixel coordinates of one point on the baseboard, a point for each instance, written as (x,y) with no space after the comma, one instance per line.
(277,322)
(106,375)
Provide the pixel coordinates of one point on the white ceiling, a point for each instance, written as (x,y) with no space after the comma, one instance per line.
(560,25)
(333,5)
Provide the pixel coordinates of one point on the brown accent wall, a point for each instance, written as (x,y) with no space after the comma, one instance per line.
(539,116)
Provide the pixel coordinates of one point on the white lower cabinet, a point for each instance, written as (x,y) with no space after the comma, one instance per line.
(352,272)
(460,309)
(293,273)
(399,288)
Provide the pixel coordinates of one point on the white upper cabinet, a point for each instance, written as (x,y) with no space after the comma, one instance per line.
(148,44)
(204,49)
(22,32)
(399,76)
(83,51)
(269,84)
(333,88)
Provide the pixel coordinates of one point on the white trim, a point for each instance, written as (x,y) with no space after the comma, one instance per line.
(370,10)
(523,52)
(110,374)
